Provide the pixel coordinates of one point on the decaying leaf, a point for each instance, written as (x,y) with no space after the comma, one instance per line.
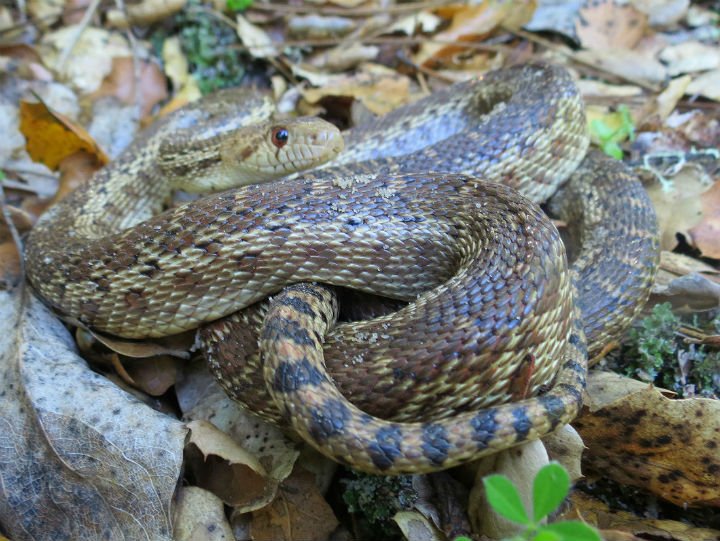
(78,456)
(470,23)
(566,447)
(606,24)
(298,512)
(91,57)
(669,447)
(687,283)
(120,83)
(52,137)
(379,90)
(416,526)
(679,207)
(200,516)
(706,233)
(218,464)
(620,524)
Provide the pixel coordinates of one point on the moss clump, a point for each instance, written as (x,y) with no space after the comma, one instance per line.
(657,352)
(377,498)
(211,47)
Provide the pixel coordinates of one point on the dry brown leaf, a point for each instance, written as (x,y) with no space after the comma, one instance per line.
(471,24)
(144,12)
(628,64)
(620,524)
(75,169)
(218,464)
(605,24)
(666,446)
(680,208)
(705,235)
(298,512)
(662,12)
(10,268)
(200,516)
(78,457)
(202,398)
(153,376)
(120,83)
(176,345)
(379,92)
(687,283)
(52,136)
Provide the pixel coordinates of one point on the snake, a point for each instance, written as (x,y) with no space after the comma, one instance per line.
(434,205)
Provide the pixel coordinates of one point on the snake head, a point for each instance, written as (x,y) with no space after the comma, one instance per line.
(276,149)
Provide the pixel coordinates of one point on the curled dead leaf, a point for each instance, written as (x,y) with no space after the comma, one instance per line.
(217,463)
(52,136)
(298,512)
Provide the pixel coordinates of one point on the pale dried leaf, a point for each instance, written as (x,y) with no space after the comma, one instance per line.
(520,465)
(566,447)
(416,526)
(690,57)
(266,443)
(631,65)
(316,26)
(257,41)
(662,12)
(200,516)
(79,458)
(91,58)
(706,84)
(224,468)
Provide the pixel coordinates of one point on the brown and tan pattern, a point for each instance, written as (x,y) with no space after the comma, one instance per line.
(493,312)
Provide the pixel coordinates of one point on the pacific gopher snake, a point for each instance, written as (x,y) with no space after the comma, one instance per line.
(502,315)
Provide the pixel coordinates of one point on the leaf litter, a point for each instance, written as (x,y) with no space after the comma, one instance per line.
(63,435)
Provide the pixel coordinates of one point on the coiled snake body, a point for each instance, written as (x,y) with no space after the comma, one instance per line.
(493,316)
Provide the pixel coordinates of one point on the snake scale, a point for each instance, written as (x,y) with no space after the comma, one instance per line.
(494,313)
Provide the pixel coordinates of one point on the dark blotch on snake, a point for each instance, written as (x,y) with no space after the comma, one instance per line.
(435,444)
(290,376)
(386,447)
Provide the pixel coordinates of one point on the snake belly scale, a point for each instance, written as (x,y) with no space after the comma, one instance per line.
(485,270)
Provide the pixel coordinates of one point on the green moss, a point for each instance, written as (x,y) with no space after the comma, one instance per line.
(211,47)
(657,350)
(377,498)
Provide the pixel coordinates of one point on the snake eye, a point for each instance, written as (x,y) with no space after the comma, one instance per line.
(279,137)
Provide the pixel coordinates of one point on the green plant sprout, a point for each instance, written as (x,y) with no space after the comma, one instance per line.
(550,487)
(238,5)
(609,137)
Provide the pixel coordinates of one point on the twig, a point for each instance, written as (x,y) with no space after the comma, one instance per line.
(65,54)
(351,12)
(388,41)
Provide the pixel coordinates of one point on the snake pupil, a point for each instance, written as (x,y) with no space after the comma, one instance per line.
(279,137)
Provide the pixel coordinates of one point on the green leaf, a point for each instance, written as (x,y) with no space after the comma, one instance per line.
(602,130)
(627,122)
(504,497)
(546,535)
(550,487)
(573,530)
(238,5)
(611,148)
